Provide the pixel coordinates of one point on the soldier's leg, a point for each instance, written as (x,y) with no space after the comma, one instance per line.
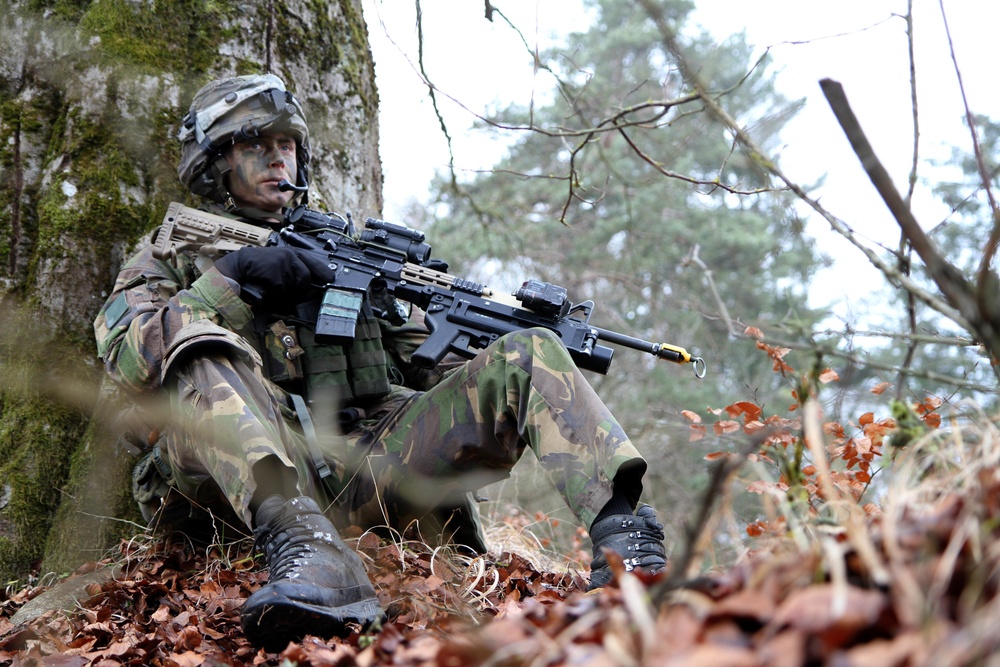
(234,438)
(524,391)
(230,437)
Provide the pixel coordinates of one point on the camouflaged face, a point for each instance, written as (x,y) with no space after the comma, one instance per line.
(235,106)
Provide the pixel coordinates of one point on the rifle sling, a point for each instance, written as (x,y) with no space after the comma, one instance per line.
(309,431)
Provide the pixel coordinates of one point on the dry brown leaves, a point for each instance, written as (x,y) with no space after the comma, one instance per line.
(915,585)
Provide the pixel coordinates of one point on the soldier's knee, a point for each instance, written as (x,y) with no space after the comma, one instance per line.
(527,342)
(544,334)
(526,347)
(534,337)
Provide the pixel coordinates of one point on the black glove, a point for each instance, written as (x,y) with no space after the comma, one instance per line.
(266,274)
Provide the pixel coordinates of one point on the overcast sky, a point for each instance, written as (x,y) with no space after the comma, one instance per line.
(859,44)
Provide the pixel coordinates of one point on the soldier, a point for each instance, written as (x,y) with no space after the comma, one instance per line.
(289,437)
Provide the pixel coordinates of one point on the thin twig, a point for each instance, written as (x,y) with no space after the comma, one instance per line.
(724,468)
(693,258)
(904,255)
(690,75)
(991,245)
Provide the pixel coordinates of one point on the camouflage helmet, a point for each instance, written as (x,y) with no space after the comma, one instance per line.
(236,109)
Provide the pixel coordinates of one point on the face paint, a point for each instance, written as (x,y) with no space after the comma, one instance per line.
(258,165)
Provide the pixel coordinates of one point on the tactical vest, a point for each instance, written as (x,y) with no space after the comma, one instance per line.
(354,373)
(295,361)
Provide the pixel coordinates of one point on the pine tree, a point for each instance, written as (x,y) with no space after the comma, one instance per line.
(624,192)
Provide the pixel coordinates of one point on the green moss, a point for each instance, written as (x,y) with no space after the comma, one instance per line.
(335,41)
(98,509)
(20,122)
(35,437)
(45,386)
(97,213)
(67,10)
(363,69)
(176,36)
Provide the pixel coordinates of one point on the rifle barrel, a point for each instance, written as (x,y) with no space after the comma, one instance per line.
(664,351)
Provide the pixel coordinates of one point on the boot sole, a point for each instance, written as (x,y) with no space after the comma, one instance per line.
(278,619)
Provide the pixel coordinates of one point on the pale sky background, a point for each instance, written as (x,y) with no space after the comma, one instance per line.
(859,44)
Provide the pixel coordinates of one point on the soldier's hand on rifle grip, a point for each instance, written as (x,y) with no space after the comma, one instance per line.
(266,274)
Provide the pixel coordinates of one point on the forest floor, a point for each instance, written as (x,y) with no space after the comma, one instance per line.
(912,583)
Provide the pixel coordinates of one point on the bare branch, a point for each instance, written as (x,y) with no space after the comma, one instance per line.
(904,256)
(913,103)
(991,245)
(944,274)
(979,309)
(691,76)
(715,184)
(693,258)
(930,376)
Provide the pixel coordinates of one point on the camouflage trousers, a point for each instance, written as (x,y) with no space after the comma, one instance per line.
(419,453)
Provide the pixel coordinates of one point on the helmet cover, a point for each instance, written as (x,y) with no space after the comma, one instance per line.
(236,109)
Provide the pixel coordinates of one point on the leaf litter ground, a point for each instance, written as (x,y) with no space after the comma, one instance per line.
(915,584)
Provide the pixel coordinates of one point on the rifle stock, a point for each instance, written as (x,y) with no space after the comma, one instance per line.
(463,316)
(186,228)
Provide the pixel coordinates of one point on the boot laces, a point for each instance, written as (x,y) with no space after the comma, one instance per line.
(637,538)
(644,543)
(289,548)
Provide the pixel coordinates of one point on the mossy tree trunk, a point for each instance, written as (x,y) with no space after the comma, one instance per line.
(91,94)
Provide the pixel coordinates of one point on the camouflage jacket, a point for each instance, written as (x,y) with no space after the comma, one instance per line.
(161,310)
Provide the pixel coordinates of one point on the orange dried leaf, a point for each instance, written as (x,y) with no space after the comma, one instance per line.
(834,428)
(866,418)
(880,388)
(762,486)
(828,375)
(752,411)
(825,607)
(754,332)
(691,416)
(715,456)
(726,426)
(697,432)
(933,402)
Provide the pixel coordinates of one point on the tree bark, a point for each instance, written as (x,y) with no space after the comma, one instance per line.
(91,94)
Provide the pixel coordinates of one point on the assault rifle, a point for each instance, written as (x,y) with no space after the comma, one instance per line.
(388,261)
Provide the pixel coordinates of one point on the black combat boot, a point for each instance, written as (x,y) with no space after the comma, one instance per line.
(637,538)
(317,584)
